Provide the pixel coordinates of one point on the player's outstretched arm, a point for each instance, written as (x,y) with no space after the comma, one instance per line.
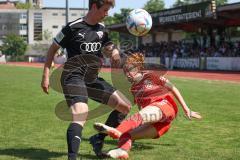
(190,114)
(45,77)
(116,59)
(112,52)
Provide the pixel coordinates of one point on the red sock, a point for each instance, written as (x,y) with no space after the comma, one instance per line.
(125,142)
(130,123)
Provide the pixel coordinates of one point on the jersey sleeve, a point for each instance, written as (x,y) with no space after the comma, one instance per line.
(63,37)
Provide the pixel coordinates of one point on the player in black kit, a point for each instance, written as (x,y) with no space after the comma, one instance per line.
(85,41)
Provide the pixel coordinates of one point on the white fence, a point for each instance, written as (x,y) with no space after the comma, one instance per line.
(187,63)
(207,63)
(223,63)
(2,59)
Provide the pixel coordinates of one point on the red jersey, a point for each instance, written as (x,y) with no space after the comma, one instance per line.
(151,89)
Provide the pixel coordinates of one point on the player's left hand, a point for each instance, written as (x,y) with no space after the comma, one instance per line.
(191,114)
(115,60)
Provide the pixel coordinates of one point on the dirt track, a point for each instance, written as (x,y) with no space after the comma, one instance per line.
(209,75)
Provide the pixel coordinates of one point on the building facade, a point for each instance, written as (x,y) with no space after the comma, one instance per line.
(36,25)
(36,3)
(47,22)
(13,21)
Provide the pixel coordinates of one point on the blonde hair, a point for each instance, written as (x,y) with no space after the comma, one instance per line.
(136,59)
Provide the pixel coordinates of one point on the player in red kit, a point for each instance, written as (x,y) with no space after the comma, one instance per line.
(154,96)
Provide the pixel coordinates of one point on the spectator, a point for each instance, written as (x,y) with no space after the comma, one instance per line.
(174,58)
(187,49)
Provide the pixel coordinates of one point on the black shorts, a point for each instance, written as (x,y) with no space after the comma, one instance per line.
(77,89)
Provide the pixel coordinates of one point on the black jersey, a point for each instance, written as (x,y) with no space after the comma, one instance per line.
(78,38)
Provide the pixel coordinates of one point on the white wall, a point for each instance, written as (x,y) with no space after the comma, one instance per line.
(2,59)
(51,17)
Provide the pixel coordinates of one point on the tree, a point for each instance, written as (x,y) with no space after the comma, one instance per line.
(109,20)
(14,45)
(179,3)
(113,35)
(21,5)
(116,19)
(42,46)
(154,5)
(47,35)
(121,17)
(186,2)
(221,2)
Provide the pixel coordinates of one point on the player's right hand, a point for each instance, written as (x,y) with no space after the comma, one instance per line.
(191,114)
(45,84)
(195,115)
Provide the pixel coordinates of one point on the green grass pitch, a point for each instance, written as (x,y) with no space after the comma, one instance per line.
(29,129)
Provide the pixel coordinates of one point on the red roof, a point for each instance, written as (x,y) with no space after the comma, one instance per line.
(7,5)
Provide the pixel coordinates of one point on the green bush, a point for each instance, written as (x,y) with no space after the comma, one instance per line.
(14,46)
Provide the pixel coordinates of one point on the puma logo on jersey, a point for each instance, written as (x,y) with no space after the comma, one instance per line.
(100,34)
(82,35)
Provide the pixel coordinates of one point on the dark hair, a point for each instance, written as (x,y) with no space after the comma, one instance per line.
(100,3)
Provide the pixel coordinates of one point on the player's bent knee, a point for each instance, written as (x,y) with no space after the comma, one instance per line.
(119,102)
(79,113)
(123,108)
(126,108)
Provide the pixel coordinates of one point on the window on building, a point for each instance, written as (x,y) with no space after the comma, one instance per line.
(37,26)
(74,14)
(55,27)
(55,14)
(23,16)
(23,27)
(63,14)
(4,27)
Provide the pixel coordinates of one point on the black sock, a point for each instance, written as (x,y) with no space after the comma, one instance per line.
(74,134)
(114,119)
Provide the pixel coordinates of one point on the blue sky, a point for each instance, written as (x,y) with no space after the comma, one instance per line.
(119,3)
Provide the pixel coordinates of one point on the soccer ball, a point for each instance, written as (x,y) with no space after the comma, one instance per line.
(139,22)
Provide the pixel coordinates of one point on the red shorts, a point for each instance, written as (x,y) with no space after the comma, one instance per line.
(169,112)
